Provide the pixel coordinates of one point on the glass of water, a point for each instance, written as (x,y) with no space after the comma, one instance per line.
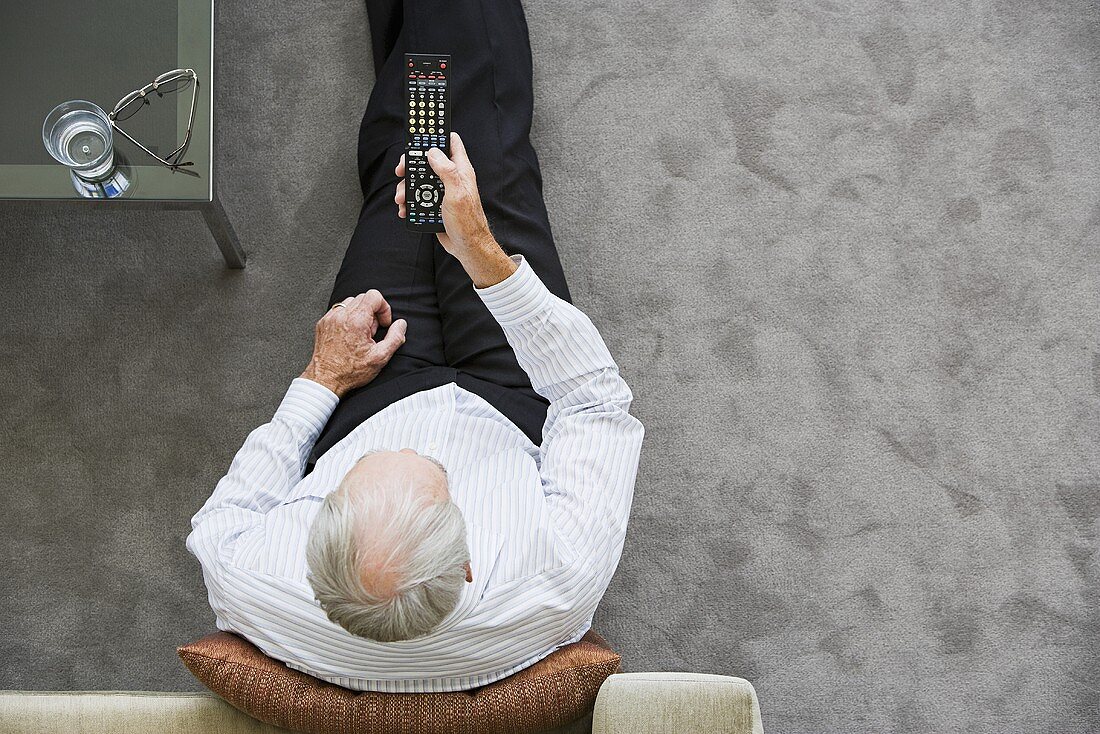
(78,134)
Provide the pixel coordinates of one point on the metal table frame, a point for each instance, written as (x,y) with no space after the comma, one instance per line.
(201,197)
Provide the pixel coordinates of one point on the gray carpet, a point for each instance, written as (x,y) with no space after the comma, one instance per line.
(846,254)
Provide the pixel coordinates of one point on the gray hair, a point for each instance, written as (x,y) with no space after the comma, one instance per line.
(412,541)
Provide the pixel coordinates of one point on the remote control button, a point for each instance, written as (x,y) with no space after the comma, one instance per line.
(442,66)
(426,194)
(412,129)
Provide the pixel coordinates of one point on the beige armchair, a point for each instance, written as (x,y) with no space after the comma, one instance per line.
(628,703)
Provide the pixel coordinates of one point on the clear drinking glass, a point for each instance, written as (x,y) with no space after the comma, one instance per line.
(78,134)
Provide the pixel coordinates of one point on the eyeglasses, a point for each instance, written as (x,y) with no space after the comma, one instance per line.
(170,82)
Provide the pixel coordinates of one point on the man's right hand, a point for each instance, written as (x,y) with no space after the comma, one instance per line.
(463,215)
(467,237)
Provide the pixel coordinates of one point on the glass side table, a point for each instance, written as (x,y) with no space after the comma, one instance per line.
(56,50)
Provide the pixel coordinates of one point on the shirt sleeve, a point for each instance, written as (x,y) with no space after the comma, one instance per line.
(591,444)
(265,469)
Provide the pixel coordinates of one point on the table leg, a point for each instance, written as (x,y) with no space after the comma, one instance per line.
(224,235)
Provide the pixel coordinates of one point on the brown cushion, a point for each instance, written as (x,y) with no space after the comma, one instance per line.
(553,692)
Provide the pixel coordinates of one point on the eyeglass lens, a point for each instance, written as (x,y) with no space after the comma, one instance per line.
(170,85)
(130,108)
(174,83)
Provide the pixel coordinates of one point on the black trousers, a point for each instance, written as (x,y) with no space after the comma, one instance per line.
(451,335)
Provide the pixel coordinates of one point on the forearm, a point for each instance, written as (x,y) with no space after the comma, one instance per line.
(486,263)
(555,343)
(272,458)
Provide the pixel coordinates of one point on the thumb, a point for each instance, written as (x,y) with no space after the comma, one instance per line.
(443,166)
(395,337)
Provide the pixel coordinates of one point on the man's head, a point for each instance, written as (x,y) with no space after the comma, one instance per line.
(387,553)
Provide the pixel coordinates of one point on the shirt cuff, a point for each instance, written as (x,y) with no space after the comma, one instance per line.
(307,403)
(517,298)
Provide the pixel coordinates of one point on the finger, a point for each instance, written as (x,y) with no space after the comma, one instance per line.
(362,313)
(458,152)
(399,197)
(371,311)
(400,170)
(377,306)
(395,337)
(382,311)
(334,313)
(362,304)
(443,166)
(401,211)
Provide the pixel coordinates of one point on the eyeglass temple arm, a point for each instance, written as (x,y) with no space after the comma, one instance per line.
(168,163)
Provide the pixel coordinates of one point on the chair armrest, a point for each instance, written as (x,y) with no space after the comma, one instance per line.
(123,712)
(672,703)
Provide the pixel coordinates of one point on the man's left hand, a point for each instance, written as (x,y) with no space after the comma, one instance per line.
(345,354)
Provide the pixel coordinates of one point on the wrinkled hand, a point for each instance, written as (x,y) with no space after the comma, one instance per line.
(463,215)
(345,354)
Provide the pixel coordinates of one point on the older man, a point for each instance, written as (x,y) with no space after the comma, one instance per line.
(441,498)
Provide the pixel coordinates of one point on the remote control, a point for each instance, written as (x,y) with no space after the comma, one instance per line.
(429,125)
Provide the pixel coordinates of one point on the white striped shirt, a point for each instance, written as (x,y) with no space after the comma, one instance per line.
(545,526)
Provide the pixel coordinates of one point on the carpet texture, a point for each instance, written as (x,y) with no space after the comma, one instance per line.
(846,254)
